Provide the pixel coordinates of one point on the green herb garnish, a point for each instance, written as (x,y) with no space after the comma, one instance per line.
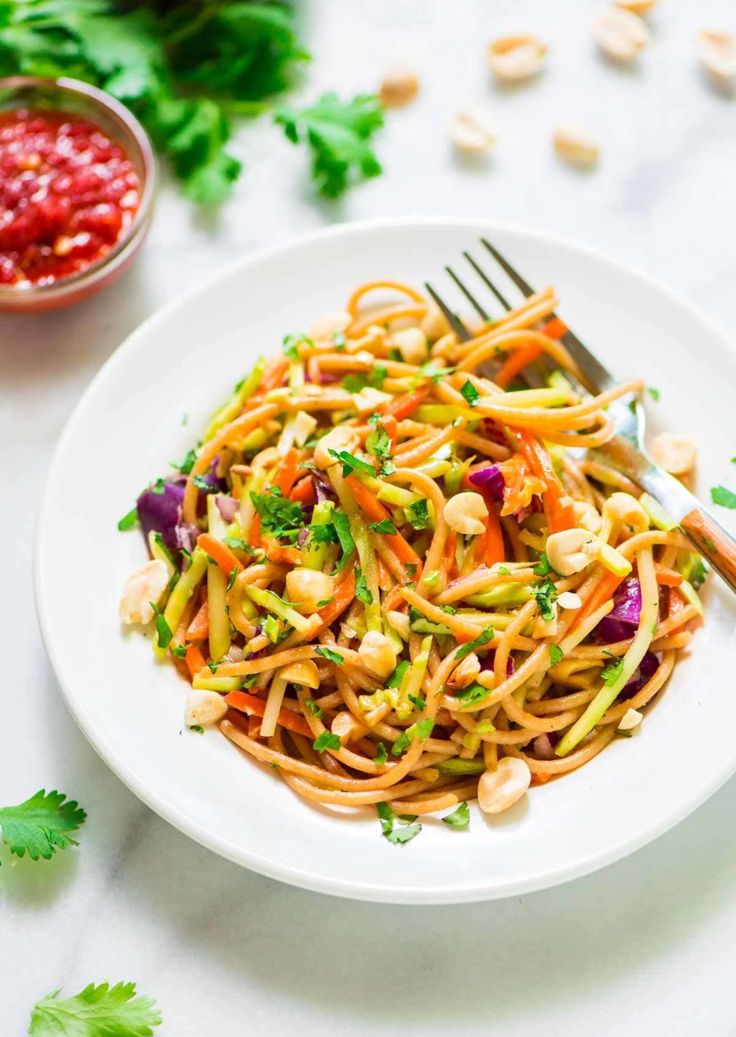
(362,591)
(384,526)
(313,708)
(339,136)
(41,825)
(418,513)
(163,630)
(351,463)
(612,672)
(128,521)
(482,639)
(546,595)
(326,741)
(280,517)
(556,654)
(400,835)
(328,653)
(470,393)
(542,568)
(373,379)
(459,818)
(381,755)
(421,730)
(102,1011)
(724,497)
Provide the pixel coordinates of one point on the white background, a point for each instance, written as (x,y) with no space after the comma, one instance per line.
(643,947)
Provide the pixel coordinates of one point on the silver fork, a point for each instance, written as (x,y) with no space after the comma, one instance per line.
(625,451)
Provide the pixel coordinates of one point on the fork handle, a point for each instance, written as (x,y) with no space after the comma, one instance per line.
(713,542)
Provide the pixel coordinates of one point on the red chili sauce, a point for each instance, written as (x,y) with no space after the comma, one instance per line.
(68,192)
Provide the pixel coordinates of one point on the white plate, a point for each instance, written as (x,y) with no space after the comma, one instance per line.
(129,425)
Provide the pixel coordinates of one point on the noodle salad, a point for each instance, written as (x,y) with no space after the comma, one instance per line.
(389,571)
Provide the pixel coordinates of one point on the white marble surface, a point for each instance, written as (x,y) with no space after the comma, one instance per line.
(645,946)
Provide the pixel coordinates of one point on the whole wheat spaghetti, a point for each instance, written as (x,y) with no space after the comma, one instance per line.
(384,572)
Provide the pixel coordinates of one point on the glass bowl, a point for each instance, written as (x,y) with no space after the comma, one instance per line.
(82,99)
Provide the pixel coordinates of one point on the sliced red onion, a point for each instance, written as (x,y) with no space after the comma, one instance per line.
(489,479)
(227,506)
(624,615)
(302,537)
(186,536)
(489,661)
(159,511)
(323,487)
(543,747)
(647,669)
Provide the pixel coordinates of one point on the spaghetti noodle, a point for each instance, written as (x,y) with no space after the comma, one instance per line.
(385,571)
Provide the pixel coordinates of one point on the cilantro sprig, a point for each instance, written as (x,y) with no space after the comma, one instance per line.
(338,134)
(397,830)
(280,517)
(97,1011)
(183,68)
(41,825)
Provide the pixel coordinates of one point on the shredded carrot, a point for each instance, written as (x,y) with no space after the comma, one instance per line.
(304,491)
(493,549)
(288,472)
(199,628)
(516,362)
(276,552)
(559,514)
(195,660)
(375,511)
(219,553)
(343,597)
(668,577)
(402,406)
(257,707)
(599,596)
(554,328)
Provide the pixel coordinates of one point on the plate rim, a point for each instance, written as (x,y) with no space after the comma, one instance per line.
(162,804)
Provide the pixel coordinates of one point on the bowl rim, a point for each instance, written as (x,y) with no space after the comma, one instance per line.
(173,812)
(65,86)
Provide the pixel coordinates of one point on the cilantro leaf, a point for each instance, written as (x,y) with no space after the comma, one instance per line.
(41,825)
(654,393)
(396,836)
(102,1011)
(341,525)
(326,741)
(128,521)
(313,708)
(470,393)
(339,136)
(418,513)
(164,633)
(362,591)
(187,464)
(459,818)
(384,526)
(472,694)
(612,672)
(418,701)
(556,654)
(381,755)
(279,516)
(723,496)
(481,639)
(379,444)
(352,463)
(328,653)
(546,595)
(542,568)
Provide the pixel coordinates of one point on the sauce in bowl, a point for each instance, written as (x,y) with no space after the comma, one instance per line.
(68,193)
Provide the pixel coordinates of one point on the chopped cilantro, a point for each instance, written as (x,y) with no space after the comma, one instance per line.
(238,545)
(326,741)
(384,526)
(233,577)
(556,654)
(339,136)
(472,694)
(163,630)
(459,818)
(197,728)
(724,497)
(179,651)
(351,463)
(482,639)
(323,533)
(187,464)
(213,666)
(418,701)
(280,517)
(204,484)
(362,591)
(612,672)
(654,393)
(436,374)
(313,708)
(339,340)
(546,595)
(418,513)
(341,525)
(470,393)
(542,568)
(328,653)
(396,836)
(128,521)
(379,444)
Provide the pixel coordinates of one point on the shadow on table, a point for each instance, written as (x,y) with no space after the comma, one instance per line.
(382,964)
